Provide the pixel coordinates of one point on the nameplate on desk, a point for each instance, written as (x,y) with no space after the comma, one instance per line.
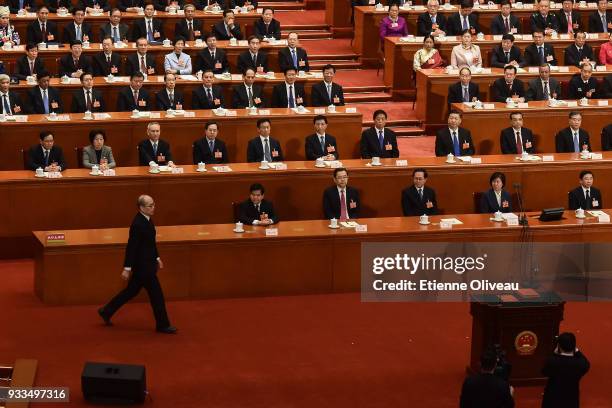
(190,114)
(320,111)
(445,224)
(488,105)
(512,221)
(523,105)
(600,68)
(572,104)
(476,160)
(264,111)
(231,113)
(361,228)
(271,232)
(548,158)
(593,36)
(533,70)
(603,217)
(497,37)
(351,110)
(243,43)
(564,36)
(563,68)
(596,156)
(527,37)
(401,163)
(602,103)
(155,115)
(486,71)
(56,238)
(53,46)
(222,169)
(177,170)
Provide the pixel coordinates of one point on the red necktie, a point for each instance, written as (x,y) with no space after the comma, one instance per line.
(343,211)
(519,145)
(507,25)
(570,29)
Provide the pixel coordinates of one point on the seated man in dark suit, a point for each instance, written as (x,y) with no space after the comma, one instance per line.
(46,155)
(544,87)
(288,94)
(543,19)
(598,18)
(573,138)
(189,28)
(465,90)
(583,85)
(539,52)
(516,139)
(321,144)
(42,29)
(29,64)
(454,139)
(212,58)
(91,6)
(256,210)
(78,30)
(210,149)
(463,20)
(293,56)
(506,22)
(149,27)
(496,198)
(44,99)
(418,199)
(569,19)
(431,22)
(169,97)
(486,389)
(209,95)
(267,26)
(10,102)
(263,146)
(135,96)
(508,88)
(379,141)
(154,150)
(87,99)
(115,29)
(340,201)
(579,52)
(585,196)
(253,57)
(606,138)
(227,28)
(74,64)
(327,92)
(106,61)
(141,61)
(247,94)
(507,53)
(16,5)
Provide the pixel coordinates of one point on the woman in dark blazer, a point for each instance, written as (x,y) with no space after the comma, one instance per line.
(97,152)
(496,198)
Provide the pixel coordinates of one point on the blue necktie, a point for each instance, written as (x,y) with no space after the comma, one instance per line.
(45,99)
(291,99)
(150,31)
(541,48)
(78,33)
(381,140)
(21,4)
(294,57)
(576,142)
(211,146)
(7,107)
(46,158)
(456,144)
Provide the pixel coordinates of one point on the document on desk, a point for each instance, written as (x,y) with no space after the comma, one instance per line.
(349,224)
(453,221)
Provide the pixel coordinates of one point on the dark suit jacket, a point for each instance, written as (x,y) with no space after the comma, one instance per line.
(488,202)
(124,4)
(160,5)
(485,390)
(424,23)
(272,30)
(501,90)
(107,31)
(79,104)
(141,251)
(313,147)
(370,147)
(36,157)
(575,57)
(221,33)
(245,61)
(22,70)
(35,35)
(69,34)
(507,140)
(444,142)
(199,100)
(577,89)
(202,153)
(535,91)
(285,61)
(247,213)
(455,92)
(540,23)
(532,58)
(498,27)
(204,61)
(125,100)
(102,68)
(162,101)
(606,87)
(564,374)
(240,99)
(104,4)
(319,96)
(255,152)
(279,95)
(14,5)
(606,138)
(53,5)
(577,200)
(132,64)
(331,202)
(139,29)
(576,19)
(498,56)
(67,66)
(145,152)
(455,22)
(17,106)
(36,103)
(595,25)
(180,29)
(412,205)
(564,140)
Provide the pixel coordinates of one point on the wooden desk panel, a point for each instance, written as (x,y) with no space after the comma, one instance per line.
(200,260)
(124,134)
(338,17)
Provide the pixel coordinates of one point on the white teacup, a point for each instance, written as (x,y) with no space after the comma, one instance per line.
(301,74)
(233,41)
(319,162)
(585,154)
(375,161)
(65,79)
(301,108)
(154,168)
(42,46)
(40,172)
(31,80)
(333,223)
(244,9)
(8,46)
(424,219)
(331,108)
(524,155)
(584,102)
(88,115)
(95,169)
(199,42)
(239,227)
(579,213)
(227,75)
(264,165)
(450,158)
(498,216)
(201,166)
(167,42)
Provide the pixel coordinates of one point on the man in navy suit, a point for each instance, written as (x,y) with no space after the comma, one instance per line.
(321,144)
(247,94)
(209,95)
(153,149)
(75,63)
(141,61)
(506,22)
(169,97)
(463,20)
(263,146)
(253,58)
(573,138)
(516,139)
(583,85)
(227,28)
(569,19)
(189,28)
(454,139)
(46,155)
(293,56)
(585,196)
(600,21)
(543,19)
(78,30)
(87,98)
(134,96)
(418,199)
(580,51)
(288,94)
(210,149)
(140,269)
(42,29)
(379,141)
(43,98)
(341,201)
(508,88)
(539,52)
(106,61)
(327,92)
(431,22)
(150,28)
(506,53)
(211,57)
(267,26)
(465,90)
(256,210)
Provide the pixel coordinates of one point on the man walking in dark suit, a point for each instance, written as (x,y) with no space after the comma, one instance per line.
(263,146)
(579,52)
(506,22)
(154,150)
(209,95)
(210,149)
(253,57)
(465,90)
(585,196)
(140,269)
(379,141)
(418,199)
(486,389)
(247,94)
(327,92)
(454,139)
(516,139)
(293,56)
(341,201)
(321,144)
(44,99)
(573,138)
(256,210)
(288,94)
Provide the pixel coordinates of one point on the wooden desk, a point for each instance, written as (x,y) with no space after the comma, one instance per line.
(24,376)
(200,260)
(486,126)
(399,55)
(124,133)
(79,200)
(432,90)
(338,17)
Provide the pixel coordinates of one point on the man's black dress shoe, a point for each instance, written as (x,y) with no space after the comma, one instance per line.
(106,319)
(168,330)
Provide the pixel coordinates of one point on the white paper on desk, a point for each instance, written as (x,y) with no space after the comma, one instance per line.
(488,105)
(486,71)
(361,228)
(155,115)
(21,118)
(222,169)
(523,105)
(188,77)
(101,116)
(497,37)
(533,69)
(350,110)
(563,68)
(596,156)
(572,104)
(264,111)
(476,160)
(602,103)
(453,221)
(271,232)
(319,111)
(564,36)
(509,216)
(465,159)
(527,37)
(548,158)
(419,7)
(349,224)
(302,112)
(419,39)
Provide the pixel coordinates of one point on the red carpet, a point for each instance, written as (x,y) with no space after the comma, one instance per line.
(303,351)
(299,18)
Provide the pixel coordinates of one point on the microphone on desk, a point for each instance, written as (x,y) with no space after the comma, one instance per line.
(522,217)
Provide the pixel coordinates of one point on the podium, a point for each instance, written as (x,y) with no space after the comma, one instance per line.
(525,328)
